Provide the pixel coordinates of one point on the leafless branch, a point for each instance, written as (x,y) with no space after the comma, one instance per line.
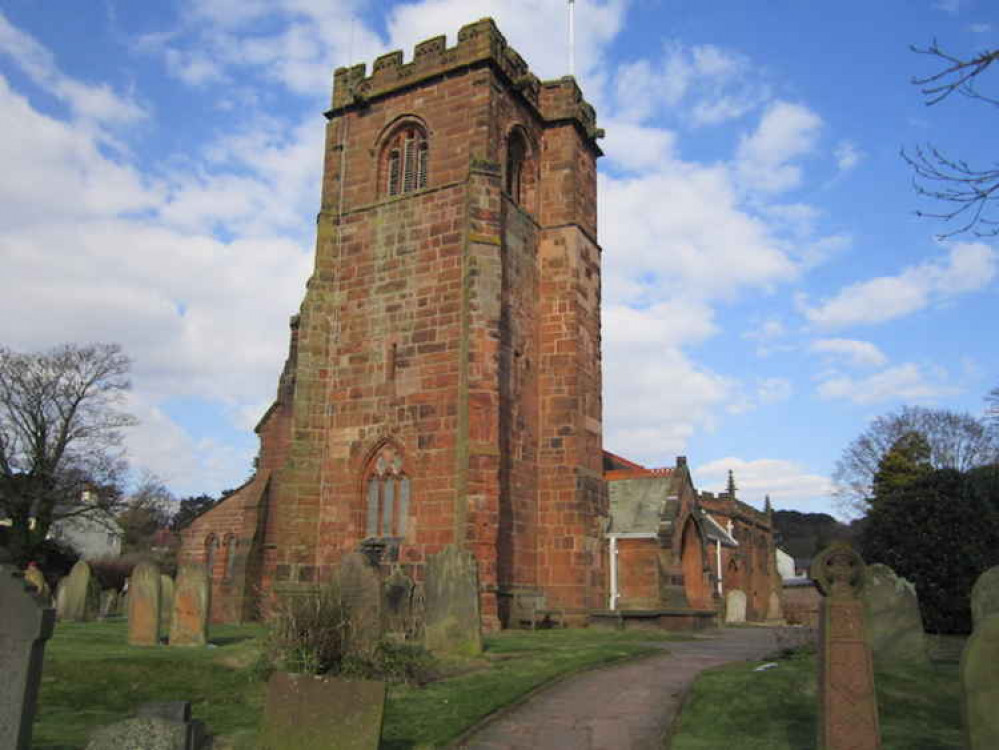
(958,75)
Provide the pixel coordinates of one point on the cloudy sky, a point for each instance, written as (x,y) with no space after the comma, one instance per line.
(767,287)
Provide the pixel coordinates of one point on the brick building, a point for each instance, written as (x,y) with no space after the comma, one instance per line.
(443,380)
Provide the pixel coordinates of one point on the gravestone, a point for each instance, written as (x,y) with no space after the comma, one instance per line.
(848,711)
(451,603)
(315,713)
(985,596)
(891,614)
(144,605)
(361,591)
(773,607)
(34,576)
(166,602)
(82,601)
(735,606)
(191,605)
(60,597)
(397,603)
(109,603)
(26,623)
(980,685)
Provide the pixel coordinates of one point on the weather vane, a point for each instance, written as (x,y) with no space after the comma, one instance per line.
(572,40)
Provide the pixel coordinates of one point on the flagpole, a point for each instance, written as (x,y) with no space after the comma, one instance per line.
(572,40)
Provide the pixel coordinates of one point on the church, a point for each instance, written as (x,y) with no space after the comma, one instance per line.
(443,379)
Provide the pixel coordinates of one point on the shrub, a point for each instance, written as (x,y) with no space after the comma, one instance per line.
(310,633)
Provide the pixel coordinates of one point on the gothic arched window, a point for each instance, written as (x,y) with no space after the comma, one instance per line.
(211,546)
(386,494)
(516,154)
(230,557)
(404,161)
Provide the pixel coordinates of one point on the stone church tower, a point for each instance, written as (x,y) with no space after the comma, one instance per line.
(443,384)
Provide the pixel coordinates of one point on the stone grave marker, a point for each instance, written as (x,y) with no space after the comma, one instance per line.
(735,606)
(191,605)
(848,711)
(361,591)
(144,605)
(985,596)
(82,594)
(315,713)
(34,576)
(773,607)
(451,603)
(397,603)
(891,614)
(980,685)
(166,602)
(109,603)
(26,623)
(60,597)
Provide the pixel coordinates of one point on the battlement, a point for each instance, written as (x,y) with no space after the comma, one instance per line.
(479,43)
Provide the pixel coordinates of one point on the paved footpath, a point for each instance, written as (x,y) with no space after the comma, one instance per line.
(627,706)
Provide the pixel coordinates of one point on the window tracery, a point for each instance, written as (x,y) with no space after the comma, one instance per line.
(386,495)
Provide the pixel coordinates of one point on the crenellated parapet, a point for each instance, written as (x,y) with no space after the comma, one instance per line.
(479,44)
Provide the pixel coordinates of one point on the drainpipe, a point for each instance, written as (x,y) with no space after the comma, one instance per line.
(718,563)
(612,541)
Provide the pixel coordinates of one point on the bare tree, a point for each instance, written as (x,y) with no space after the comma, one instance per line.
(992,410)
(969,193)
(60,438)
(956,441)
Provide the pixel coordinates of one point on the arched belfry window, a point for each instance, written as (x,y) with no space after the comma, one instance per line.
(516,155)
(386,489)
(405,160)
(211,547)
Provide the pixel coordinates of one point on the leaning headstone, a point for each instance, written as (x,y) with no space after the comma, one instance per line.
(891,614)
(397,603)
(26,623)
(985,595)
(315,713)
(83,594)
(34,576)
(166,602)
(735,606)
(848,711)
(159,726)
(60,597)
(980,685)
(109,603)
(191,603)
(361,591)
(144,605)
(451,591)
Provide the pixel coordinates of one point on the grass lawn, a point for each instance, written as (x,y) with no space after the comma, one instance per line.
(92,678)
(919,708)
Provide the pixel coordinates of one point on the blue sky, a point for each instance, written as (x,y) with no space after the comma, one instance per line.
(767,287)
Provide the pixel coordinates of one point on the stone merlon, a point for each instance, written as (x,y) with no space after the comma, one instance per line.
(479,44)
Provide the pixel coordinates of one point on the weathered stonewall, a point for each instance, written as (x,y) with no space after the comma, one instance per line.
(166,602)
(361,591)
(191,603)
(82,594)
(144,605)
(735,606)
(451,593)
(315,713)
(985,596)
(848,711)
(891,614)
(25,624)
(980,685)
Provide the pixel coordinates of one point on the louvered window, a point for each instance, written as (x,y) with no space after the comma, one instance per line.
(406,162)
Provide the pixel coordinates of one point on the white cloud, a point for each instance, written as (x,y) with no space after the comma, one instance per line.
(980,28)
(95,103)
(789,484)
(948,6)
(635,148)
(969,267)
(905,382)
(773,390)
(786,132)
(856,353)
(847,156)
